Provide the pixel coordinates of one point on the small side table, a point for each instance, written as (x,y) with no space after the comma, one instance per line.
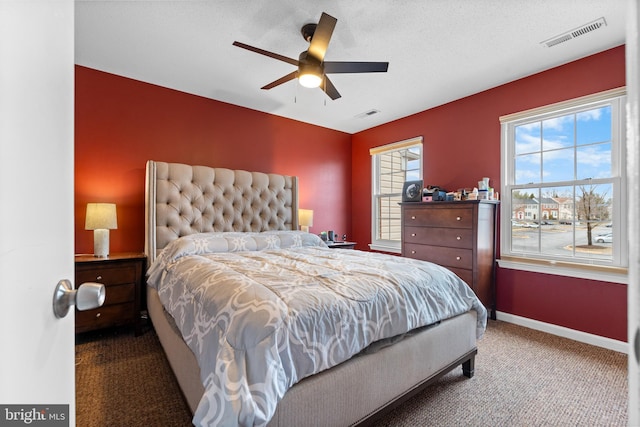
(341,245)
(122,274)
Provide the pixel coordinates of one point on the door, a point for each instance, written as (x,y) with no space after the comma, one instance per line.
(633,162)
(36,209)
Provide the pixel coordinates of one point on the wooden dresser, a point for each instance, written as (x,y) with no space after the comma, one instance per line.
(458,235)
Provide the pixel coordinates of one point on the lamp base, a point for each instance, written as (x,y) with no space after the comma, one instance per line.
(101,243)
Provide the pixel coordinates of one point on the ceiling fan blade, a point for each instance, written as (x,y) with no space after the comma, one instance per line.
(292,75)
(355,67)
(330,89)
(267,53)
(322,36)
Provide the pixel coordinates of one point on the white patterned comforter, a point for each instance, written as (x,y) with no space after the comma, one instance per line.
(261,311)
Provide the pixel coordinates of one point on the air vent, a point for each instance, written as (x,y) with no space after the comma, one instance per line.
(367,114)
(570,35)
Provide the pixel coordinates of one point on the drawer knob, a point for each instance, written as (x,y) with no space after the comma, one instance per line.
(458,258)
(413,252)
(458,218)
(99,278)
(413,217)
(98,314)
(458,238)
(413,234)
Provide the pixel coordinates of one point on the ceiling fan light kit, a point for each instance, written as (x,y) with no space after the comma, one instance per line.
(309,71)
(310,80)
(312,68)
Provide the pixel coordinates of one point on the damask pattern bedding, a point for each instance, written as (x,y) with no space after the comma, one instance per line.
(261,311)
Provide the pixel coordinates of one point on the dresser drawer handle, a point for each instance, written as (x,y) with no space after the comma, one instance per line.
(98,314)
(413,252)
(458,218)
(458,238)
(99,278)
(413,217)
(413,234)
(458,258)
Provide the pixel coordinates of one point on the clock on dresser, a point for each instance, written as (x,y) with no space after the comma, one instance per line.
(122,274)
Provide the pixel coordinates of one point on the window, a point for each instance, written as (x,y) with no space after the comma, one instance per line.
(392,165)
(563,183)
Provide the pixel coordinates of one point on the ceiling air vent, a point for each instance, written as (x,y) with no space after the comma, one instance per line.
(569,35)
(367,114)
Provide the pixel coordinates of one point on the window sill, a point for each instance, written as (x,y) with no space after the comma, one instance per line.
(559,268)
(383,248)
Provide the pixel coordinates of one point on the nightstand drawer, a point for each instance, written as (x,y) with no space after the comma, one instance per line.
(111,315)
(106,275)
(447,257)
(450,237)
(119,294)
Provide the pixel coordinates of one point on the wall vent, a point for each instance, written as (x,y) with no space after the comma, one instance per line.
(577,32)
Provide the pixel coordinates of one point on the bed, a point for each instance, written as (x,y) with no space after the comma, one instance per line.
(334,337)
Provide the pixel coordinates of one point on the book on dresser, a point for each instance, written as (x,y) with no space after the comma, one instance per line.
(458,235)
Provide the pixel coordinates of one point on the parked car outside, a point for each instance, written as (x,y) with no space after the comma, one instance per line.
(604,238)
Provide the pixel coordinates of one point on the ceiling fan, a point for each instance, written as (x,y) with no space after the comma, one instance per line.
(312,68)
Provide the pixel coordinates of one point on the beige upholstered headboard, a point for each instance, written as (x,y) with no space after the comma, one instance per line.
(182,199)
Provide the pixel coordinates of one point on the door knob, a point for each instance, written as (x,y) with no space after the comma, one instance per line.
(88,295)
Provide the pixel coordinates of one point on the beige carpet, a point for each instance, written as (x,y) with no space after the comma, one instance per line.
(523,378)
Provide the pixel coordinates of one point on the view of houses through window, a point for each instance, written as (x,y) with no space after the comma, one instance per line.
(562,220)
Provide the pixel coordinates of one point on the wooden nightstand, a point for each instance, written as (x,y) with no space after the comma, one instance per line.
(341,245)
(122,275)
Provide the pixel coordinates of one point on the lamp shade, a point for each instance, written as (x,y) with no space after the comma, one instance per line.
(101,216)
(305,217)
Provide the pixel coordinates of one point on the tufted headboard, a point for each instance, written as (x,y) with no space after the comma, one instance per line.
(182,199)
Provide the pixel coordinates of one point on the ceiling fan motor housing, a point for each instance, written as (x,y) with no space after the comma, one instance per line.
(307,31)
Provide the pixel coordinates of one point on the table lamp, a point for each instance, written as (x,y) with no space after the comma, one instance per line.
(101,217)
(305,218)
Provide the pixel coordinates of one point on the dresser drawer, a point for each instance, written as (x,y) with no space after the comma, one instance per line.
(110,315)
(447,257)
(450,237)
(464,274)
(450,217)
(106,275)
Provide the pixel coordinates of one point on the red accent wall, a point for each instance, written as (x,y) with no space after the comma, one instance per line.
(121,123)
(462,144)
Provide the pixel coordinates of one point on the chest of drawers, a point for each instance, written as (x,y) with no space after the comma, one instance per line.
(456,235)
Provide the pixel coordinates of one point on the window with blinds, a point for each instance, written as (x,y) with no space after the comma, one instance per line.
(392,165)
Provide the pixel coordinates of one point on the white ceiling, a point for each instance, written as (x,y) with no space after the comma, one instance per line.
(438,50)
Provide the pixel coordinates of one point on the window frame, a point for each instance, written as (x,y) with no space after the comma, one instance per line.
(386,245)
(613,270)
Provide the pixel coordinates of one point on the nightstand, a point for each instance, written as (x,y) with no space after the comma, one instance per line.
(122,275)
(341,245)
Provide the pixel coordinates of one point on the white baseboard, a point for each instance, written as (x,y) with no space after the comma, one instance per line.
(561,331)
